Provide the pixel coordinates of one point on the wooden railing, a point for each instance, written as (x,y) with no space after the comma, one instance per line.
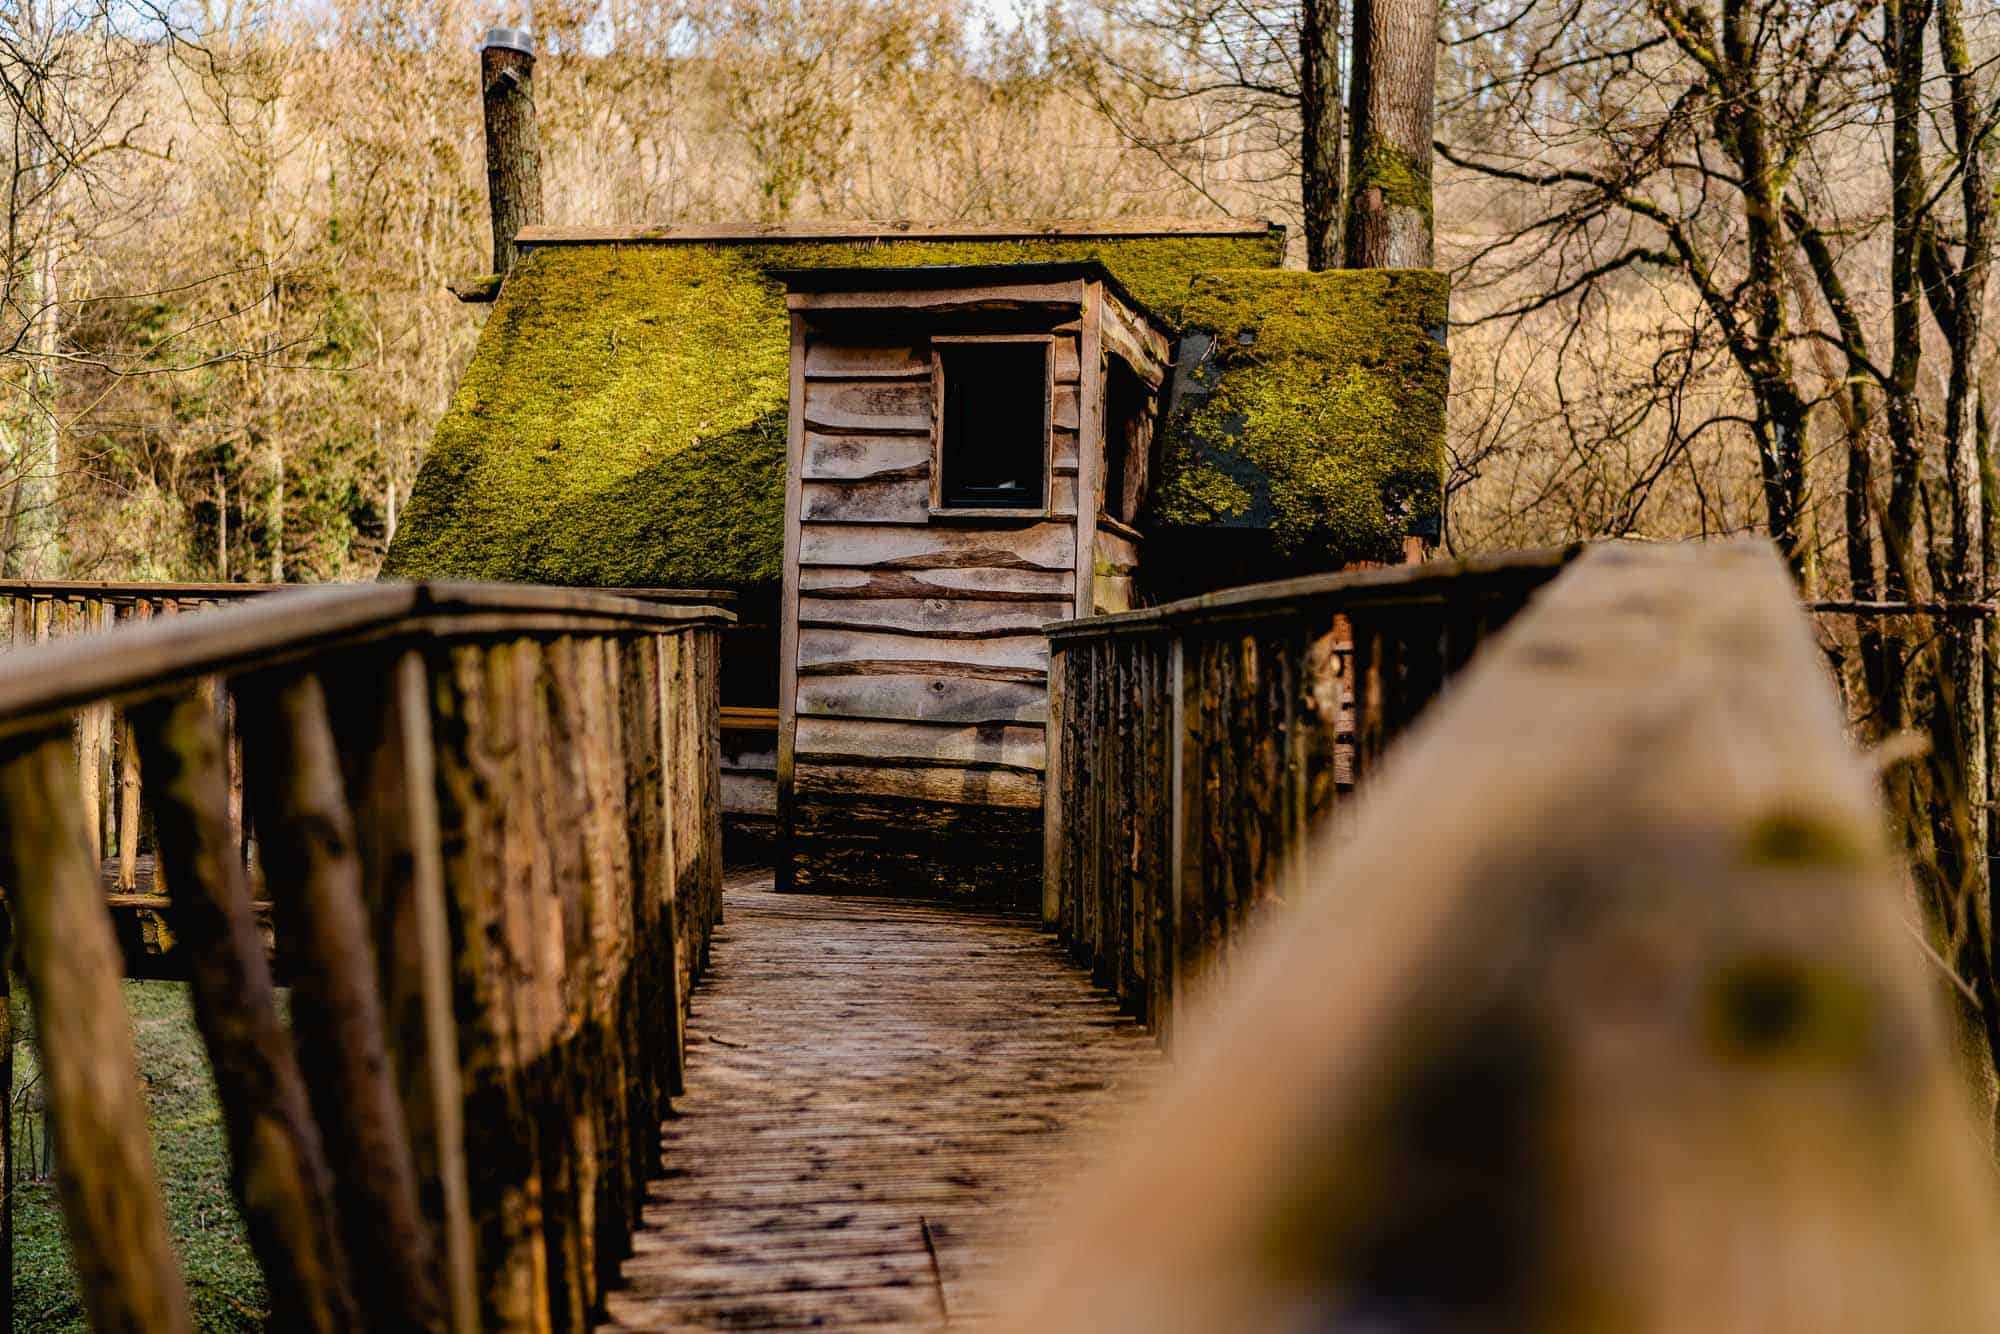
(489,828)
(1603,1009)
(39,611)
(1192,746)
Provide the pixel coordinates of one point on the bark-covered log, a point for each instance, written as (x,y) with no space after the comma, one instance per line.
(277,1157)
(112,1213)
(312,866)
(480,774)
(383,724)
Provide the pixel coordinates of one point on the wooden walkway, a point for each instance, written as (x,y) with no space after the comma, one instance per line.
(878,1091)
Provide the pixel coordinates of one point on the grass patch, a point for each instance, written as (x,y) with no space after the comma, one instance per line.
(191,1155)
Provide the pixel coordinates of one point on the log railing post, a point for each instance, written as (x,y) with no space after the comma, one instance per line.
(114,1218)
(279,1168)
(310,859)
(479,773)
(383,720)
(495,855)
(513,141)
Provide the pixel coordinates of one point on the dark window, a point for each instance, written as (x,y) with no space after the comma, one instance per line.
(993,437)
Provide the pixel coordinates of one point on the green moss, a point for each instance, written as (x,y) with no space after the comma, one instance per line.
(1404,181)
(622,420)
(1318,411)
(190,1153)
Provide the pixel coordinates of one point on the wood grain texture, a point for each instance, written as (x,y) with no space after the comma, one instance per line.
(962,786)
(309,846)
(1010,746)
(279,1168)
(879,407)
(861,457)
(977,584)
(907,499)
(839,358)
(383,721)
(832,647)
(912,698)
(1036,546)
(861,1073)
(944,618)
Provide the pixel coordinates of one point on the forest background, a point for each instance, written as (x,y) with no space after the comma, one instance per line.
(1718,266)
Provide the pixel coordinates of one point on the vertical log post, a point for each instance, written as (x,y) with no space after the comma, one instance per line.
(278,1166)
(513,142)
(311,863)
(392,784)
(128,783)
(479,774)
(112,1213)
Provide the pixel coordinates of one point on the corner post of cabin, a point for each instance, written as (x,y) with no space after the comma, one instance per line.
(1090,445)
(1054,788)
(513,139)
(788,617)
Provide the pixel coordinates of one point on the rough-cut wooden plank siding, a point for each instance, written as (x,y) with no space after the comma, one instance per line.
(831,648)
(1114,572)
(1135,338)
(831,458)
(877,407)
(985,585)
(1011,745)
(937,698)
(901,499)
(945,618)
(1039,546)
(918,666)
(829,359)
(966,784)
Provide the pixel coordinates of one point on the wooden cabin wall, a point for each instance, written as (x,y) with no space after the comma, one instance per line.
(921,670)
(1115,572)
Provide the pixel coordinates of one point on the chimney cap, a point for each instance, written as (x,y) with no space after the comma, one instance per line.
(510,39)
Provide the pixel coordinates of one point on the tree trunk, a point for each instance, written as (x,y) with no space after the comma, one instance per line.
(1319,131)
(513,142)
(1389,172)
(1965,454)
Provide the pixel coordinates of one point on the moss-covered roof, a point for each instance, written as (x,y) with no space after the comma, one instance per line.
(1311,405)
(622,421)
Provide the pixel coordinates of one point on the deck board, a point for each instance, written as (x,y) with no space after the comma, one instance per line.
(862,1072)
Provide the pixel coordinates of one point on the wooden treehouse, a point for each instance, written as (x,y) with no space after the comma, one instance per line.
(1200,918)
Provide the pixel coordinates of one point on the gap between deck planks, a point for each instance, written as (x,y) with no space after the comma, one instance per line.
(861,1072)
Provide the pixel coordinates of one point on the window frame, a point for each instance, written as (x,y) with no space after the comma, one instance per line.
(940,510)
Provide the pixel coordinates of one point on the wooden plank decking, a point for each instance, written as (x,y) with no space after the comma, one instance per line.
(878,1090)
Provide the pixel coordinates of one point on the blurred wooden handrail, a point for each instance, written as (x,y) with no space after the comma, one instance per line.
(1601,1012)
